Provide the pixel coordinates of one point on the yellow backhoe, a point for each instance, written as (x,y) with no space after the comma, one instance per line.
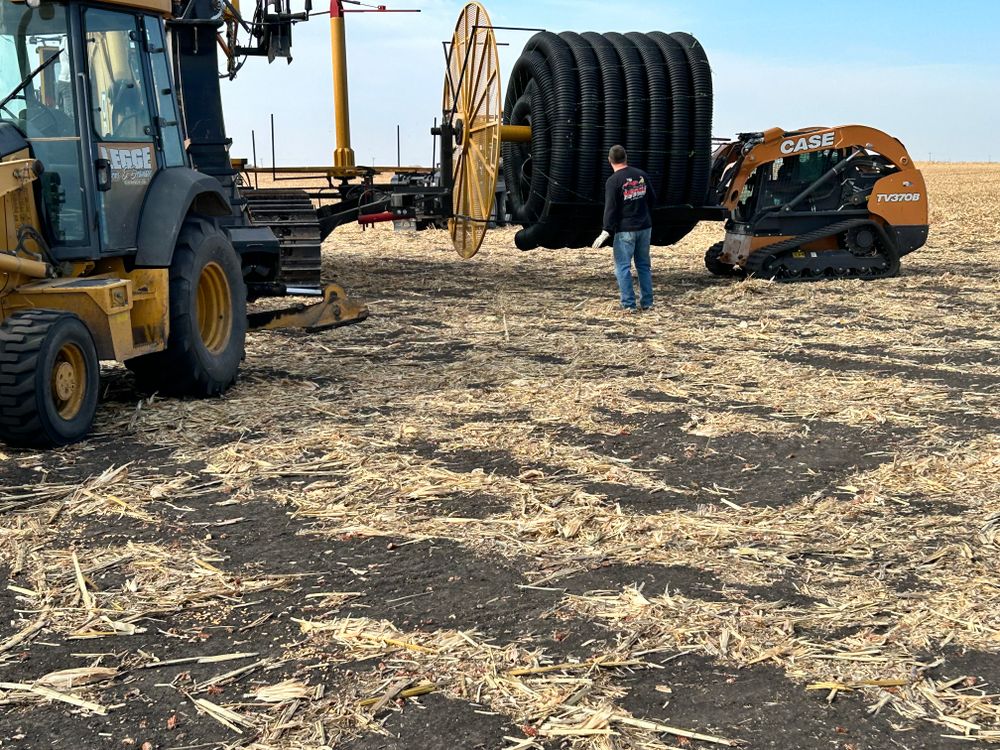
(126,235)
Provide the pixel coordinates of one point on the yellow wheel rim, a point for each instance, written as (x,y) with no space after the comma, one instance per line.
(69,381)
(472,91)
(214,308)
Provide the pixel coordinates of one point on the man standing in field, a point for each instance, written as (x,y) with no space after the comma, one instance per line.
(628,200)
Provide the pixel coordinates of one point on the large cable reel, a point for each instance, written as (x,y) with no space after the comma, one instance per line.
(570,98)
(472,104)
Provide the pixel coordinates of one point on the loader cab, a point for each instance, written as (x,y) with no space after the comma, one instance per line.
(44,114)
(776,183)
(133,121)
(97,108)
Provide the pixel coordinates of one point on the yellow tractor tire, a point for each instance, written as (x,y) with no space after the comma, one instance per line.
(208,317)
(49,379)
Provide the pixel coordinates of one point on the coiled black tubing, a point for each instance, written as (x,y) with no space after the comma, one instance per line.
(584,93)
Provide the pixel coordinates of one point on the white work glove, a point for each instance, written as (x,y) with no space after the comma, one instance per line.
(600,240)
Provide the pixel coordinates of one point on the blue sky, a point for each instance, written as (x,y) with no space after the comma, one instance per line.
(926,72)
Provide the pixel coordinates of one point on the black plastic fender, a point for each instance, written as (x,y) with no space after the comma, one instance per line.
(172,195)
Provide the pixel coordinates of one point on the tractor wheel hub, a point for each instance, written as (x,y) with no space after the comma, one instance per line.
(65,381)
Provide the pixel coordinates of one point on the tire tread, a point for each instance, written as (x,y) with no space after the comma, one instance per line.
(179,369)
(22,340)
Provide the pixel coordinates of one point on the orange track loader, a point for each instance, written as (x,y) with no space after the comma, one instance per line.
(817,203)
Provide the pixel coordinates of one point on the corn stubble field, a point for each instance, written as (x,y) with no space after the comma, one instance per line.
(500,515)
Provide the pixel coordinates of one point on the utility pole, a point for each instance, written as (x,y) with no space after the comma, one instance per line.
(434,146)
(253,142)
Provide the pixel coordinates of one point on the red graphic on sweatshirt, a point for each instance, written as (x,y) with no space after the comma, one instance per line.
(634,189)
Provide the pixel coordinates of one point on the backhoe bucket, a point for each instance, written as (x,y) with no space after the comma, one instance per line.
(336,309)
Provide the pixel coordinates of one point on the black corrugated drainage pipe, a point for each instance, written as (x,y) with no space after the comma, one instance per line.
(582,94)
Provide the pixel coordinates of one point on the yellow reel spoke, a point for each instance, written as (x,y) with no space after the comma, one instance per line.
(472,88)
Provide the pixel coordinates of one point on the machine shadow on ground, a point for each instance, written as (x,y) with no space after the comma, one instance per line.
(499,509)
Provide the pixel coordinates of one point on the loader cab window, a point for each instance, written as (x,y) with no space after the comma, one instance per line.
(121,117)
(169,129)
(868,169)
(44,110)
(119,109)
(780,181)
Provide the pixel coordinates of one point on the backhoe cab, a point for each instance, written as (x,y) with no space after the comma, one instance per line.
(817,203)
(124,232)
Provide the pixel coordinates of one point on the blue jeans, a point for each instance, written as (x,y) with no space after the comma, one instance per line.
(629,247)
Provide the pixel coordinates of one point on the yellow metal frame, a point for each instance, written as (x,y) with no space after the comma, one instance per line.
(477,159)
(336,173)
(343,155)
(160,7)
(17,172)
(337,309)
(126,312)
(17,211)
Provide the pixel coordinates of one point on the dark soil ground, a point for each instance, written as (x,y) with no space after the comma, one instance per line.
(374,382)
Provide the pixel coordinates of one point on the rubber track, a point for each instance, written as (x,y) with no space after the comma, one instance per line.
(821,269)
(292,217)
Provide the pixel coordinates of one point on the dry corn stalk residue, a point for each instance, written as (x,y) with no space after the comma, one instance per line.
(498,514)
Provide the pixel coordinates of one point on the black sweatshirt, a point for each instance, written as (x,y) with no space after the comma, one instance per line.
(628,199)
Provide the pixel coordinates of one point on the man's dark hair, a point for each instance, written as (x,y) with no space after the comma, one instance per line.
(617,155)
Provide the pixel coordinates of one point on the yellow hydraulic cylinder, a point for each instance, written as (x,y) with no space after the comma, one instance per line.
(515,133)
(32,268)
(343,156)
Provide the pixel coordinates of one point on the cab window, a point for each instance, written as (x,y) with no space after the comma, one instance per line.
(40,103)
(119,106)
(172,140)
